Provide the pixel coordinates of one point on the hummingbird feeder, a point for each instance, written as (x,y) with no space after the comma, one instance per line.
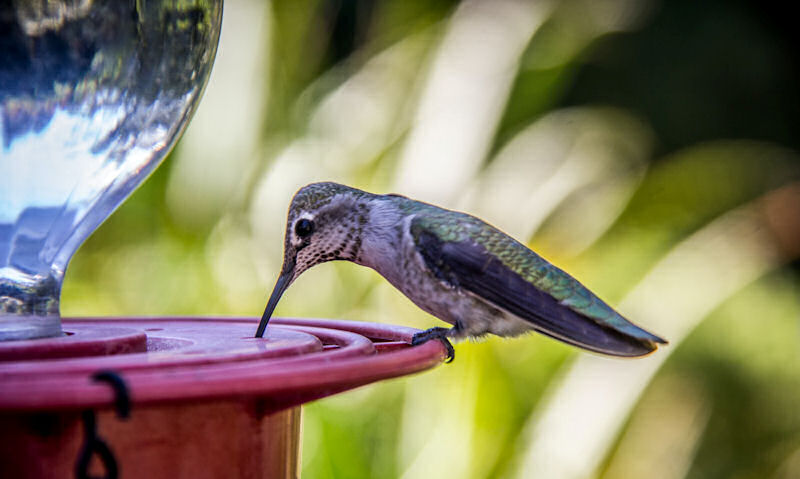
(92,98)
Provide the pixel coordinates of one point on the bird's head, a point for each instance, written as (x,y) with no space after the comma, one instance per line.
(325,223)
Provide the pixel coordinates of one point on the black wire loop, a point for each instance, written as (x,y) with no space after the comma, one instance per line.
(94,444)
(122,399)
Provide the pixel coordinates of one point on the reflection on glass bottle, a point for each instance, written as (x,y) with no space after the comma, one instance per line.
(93,95)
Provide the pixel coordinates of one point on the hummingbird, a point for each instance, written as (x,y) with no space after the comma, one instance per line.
(453,266)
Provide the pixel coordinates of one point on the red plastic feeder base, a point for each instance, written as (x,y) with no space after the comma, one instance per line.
(208,399)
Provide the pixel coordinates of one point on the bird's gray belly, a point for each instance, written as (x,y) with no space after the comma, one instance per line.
(473,315)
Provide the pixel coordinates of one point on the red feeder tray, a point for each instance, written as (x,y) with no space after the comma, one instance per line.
(208,399)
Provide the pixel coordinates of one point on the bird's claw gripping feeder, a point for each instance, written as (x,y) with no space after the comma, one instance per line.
(92,97)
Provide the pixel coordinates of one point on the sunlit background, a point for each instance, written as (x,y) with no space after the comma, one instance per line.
(649,148)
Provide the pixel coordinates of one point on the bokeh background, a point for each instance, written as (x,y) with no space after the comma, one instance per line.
(648,147)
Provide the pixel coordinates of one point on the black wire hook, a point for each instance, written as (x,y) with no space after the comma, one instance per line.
(94,444)
(122,398)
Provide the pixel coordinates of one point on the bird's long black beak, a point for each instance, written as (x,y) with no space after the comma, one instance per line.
(280,286)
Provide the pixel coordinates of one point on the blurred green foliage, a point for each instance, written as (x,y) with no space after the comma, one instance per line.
(712,91)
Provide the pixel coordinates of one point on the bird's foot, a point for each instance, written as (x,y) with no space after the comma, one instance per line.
(435,333)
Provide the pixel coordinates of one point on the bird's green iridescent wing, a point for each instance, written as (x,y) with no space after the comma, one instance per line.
(468,253)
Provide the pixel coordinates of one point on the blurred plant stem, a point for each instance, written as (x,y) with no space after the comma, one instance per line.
(694,278)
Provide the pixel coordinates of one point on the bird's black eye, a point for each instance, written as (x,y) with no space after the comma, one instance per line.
(304,227)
